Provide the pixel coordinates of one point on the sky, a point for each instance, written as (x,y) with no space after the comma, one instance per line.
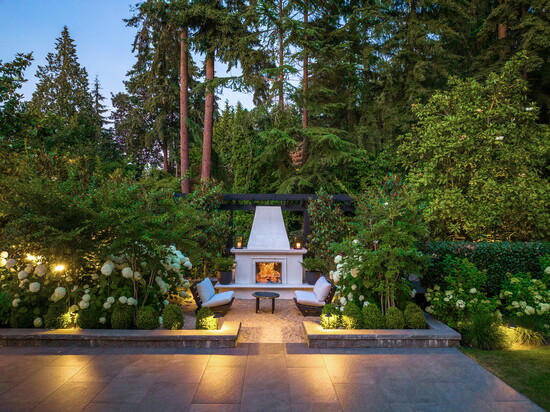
(103,42)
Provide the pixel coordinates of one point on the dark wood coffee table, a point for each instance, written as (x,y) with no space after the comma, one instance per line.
(265,295)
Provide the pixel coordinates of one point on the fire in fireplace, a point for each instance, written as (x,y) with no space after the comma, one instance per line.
(268,272)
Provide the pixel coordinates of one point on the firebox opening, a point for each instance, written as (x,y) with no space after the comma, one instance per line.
(268,272)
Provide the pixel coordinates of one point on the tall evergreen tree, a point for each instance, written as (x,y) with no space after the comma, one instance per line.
(62,87)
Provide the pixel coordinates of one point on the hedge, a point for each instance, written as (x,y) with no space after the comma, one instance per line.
(498,258)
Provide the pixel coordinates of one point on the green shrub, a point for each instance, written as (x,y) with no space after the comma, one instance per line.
(498,258)
(352,317)
(529,337)
(373,317)
(485,332)
(57,316)
(172,317)
(394,318)
(205,320)
(414,317)
(89,318)
(5,309)
(21,318)
(122,317)
(147,318)
(334,320)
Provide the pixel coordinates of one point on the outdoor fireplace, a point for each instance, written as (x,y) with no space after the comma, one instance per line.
(268,258)
(269,272)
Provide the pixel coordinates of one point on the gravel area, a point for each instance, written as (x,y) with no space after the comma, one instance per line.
(284,326)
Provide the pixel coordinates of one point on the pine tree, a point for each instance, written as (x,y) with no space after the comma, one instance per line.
(98,107)
(62,87)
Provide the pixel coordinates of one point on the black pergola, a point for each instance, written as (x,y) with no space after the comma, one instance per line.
(288,202)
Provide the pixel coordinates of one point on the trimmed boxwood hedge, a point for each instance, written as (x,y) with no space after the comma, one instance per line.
(498,258)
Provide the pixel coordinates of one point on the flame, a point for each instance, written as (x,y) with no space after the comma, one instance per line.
(268,274)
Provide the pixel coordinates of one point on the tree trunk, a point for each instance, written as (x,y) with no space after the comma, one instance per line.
(501,27)
(184,112)
(281,58)
(208,119)
(164,147)
(305,119)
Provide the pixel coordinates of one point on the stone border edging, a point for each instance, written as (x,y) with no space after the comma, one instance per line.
(226,337)
(437,335)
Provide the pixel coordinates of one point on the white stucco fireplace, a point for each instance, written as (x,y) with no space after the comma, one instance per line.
(268,262)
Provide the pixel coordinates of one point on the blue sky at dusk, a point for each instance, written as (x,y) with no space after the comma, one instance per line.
(103,42)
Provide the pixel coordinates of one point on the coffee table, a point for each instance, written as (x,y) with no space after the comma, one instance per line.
(265,295)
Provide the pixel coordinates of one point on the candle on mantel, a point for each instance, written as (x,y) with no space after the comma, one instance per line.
(239,240)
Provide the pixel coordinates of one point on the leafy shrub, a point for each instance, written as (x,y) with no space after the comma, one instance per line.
(334,320)
(352,317)
(122,317)
(373,318)
(172,317)
(497,258)
(394,318)
(462,297)
(5,308)
(522,296)
(21,318)
(89,318)
(57,316)
(484,332)
(205,320)
(414,317)
(147,318)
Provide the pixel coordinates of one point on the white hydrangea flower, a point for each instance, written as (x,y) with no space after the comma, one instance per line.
(83,305)
(15,302)
(355,241)
(102,320)
(188,264)
(354,272)
(343,300)
(107,305)
(28,269)
(353,287)
(4,255)
(473,291)
(547,270)
(37,323)
(137,275)
(341,308)
(2,262)
(429,309)
(60,291)
(529,310)
(366,303)
(107,268)
(41,270)
(460,304)
(123,299)
(34,287)
(132,302)
(95,276)
(413,293)
(350,296)
(111,300)
(87,290)
(161,321)
(337,259)
(69,279)
(22,275)
(127,273)
(166,303)
(75,288)
(361,298)
(10,263)
(86,297)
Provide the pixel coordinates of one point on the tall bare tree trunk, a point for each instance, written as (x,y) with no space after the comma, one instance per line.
(501,28)
(164,147)
(206,171)
(184,112)
(281,58)
(305,82)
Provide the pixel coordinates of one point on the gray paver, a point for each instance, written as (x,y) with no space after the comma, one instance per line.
(253,377)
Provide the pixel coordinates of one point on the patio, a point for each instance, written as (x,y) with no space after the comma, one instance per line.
(253,377)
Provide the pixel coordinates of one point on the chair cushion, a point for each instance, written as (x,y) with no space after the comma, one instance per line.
(307,298)
(322,288)
(219,299)
(205,290)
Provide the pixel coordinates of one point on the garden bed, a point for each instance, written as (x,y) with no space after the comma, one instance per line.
(437,335)
(226,337)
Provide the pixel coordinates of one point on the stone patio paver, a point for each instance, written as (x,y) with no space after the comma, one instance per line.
(253,377)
